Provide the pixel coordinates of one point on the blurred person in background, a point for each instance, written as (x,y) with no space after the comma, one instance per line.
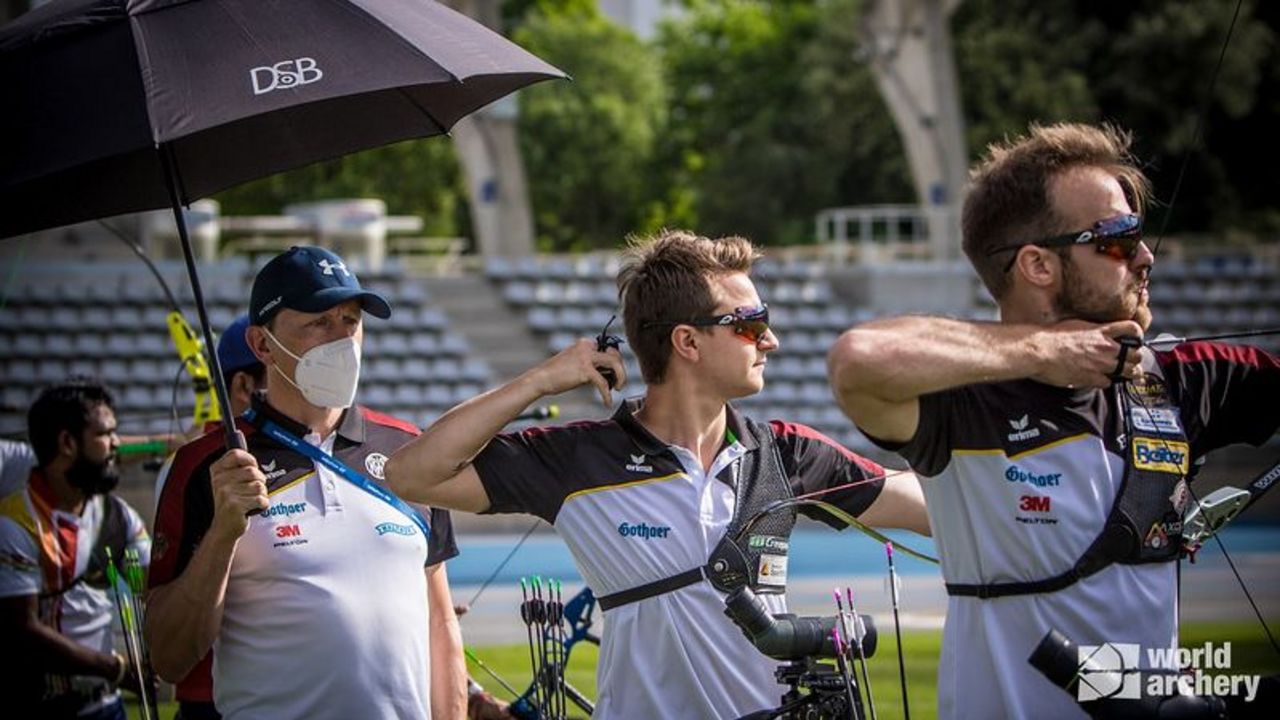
(56,609)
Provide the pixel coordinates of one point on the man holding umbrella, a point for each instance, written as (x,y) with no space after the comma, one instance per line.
(320,589)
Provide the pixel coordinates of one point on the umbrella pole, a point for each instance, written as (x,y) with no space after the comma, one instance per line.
(232,438)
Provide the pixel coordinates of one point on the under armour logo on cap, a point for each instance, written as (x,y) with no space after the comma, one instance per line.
(329,267)
(311,280)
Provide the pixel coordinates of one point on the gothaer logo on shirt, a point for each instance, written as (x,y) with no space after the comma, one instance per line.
(644,530)
(1017,474)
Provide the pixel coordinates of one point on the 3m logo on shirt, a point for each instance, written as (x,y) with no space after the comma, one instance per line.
(1039,508)
(1161,455)
(1035,503)
(288,535)
(1017,474)
(1021,429)
(285,509)
(644,530)
(395,529)
(637,464)
(285,74)
(1156,420)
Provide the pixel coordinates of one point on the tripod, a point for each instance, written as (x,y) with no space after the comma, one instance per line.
(827,699)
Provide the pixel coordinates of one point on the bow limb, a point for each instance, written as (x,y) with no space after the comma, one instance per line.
(809,499)
(190,350)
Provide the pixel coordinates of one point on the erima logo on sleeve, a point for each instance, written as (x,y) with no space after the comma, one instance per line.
(1021,429)
(637,464)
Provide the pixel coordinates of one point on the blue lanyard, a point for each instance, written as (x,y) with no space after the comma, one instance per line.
(289,440)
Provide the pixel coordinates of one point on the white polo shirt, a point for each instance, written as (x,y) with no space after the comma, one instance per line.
(326,611)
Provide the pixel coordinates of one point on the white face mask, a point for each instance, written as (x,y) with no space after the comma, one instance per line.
(327,375)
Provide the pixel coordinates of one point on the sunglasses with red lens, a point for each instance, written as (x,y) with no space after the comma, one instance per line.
(748,323)
(1118,238)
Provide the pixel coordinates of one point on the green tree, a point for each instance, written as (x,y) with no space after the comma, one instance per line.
(861,160)
(589,145)
(740,135)
(416,177)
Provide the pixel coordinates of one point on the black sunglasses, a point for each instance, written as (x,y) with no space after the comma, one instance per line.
(1118,238)
(749,323)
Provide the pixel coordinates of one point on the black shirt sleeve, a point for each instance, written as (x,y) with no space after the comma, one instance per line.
(442,545)
(929,450)
(1227,393)
(530,471)
(814,462)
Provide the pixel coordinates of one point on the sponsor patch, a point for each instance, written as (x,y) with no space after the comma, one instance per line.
(637,464)
(1148,386)
(769,542)
(1159,455)
(1159,534)
(644,530)
(1180,497)
(270,472)
(1022,430)
(772,570)
(376,463)
(285,509)
(1163,421)
(1017,474)
(396,529)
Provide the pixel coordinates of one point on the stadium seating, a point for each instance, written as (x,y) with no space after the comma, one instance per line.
(109,320)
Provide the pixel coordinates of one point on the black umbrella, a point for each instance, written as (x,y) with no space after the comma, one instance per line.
(117,106)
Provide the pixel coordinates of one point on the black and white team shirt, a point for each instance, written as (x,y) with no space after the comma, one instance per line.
(1019,478)
(633,510)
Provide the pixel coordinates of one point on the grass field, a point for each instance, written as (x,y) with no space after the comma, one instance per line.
(1251,654)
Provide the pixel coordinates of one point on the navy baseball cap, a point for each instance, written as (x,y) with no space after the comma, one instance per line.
(308,279)
(233,350)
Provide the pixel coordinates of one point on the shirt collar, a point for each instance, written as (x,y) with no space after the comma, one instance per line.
(351,426)
(625,416)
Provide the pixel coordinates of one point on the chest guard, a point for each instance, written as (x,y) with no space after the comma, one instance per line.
(758,560)
(1145,523)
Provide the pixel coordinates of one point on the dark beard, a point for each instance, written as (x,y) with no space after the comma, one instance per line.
(92,478)
(1073,302)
